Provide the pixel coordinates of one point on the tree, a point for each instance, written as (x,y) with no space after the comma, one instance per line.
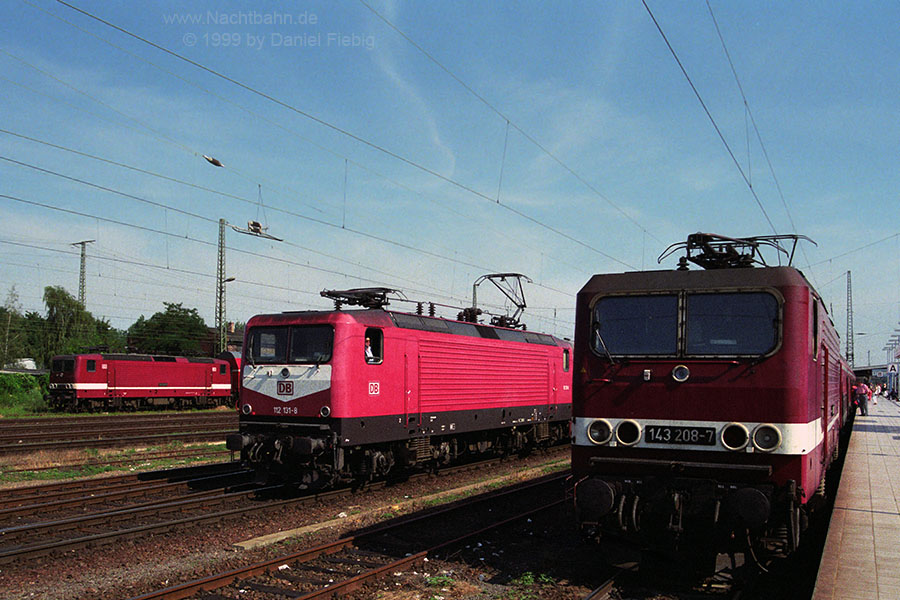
(67,321)
(177,330)
(67,329)
(12,344)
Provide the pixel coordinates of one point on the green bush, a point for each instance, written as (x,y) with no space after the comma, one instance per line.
(23,394)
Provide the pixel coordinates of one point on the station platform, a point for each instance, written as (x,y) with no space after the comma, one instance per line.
(861,559)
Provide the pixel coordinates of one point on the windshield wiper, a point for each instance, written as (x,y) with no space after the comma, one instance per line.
(603,343)
(250,355)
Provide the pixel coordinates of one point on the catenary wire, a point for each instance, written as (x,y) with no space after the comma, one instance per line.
(345,133)
(709,116)
(509,122)
(221,193)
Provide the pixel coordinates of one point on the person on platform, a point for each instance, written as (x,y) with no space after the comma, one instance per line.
(862,398)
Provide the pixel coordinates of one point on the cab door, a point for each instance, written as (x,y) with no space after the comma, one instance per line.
(554,387)
(825,409)
(110,379)
(411,384)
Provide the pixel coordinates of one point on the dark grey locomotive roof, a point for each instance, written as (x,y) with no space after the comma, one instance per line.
(141,357)
(378,317)
(707,279)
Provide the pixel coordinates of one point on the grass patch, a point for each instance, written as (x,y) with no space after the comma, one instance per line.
(528,579)
(439,581)
(556,467)
(93,461)
(523,586)
(450,498)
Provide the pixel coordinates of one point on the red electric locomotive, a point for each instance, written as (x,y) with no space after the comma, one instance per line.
(234,367)
(136,381)
(707,403)
(350,394)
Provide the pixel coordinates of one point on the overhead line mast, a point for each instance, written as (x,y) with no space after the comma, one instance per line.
(81,276)
(850,321)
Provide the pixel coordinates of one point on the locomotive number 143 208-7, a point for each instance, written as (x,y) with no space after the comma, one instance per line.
(667,434)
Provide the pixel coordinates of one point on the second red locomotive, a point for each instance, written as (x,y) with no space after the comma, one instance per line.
(350,394)
(136,381)
(708,404)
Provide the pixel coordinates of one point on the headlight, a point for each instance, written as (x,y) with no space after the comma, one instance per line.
(681,373)
(735,436)
(628,433)
(600,431)
(766,437)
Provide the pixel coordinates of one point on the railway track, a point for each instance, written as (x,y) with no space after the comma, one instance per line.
(143,457)
(55,517)
(349,563)
(50,492)
(25,424)
(64,433)
(50,526)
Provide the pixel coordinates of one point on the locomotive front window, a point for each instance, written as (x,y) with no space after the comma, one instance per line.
(731,324)
(636,325)
(279,345)
(63,365)
(269,344)
(311,344)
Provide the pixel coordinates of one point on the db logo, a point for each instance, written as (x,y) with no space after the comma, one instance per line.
(374,388)
(285,388)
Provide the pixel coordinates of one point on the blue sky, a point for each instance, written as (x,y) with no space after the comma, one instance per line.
(381,163)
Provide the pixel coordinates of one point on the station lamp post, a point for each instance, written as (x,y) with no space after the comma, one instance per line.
(254,228)
(850,357)
(891,359)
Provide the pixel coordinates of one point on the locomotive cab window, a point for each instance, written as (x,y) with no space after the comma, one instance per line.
(731,324)
(63,365)
(566,360)
(373,346)
(815,329)
(91,366)
(636,325)
(299,345)
(686,324)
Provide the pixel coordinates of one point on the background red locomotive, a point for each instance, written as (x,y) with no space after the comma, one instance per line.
(707,403)
(135,381)
(234,367)
(316,407)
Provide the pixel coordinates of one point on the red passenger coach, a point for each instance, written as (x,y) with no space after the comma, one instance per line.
(708,404)
(351,394)
(135,381)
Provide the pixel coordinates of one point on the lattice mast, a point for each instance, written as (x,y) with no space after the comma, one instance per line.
(220,291)
(82,273)
(849,320)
